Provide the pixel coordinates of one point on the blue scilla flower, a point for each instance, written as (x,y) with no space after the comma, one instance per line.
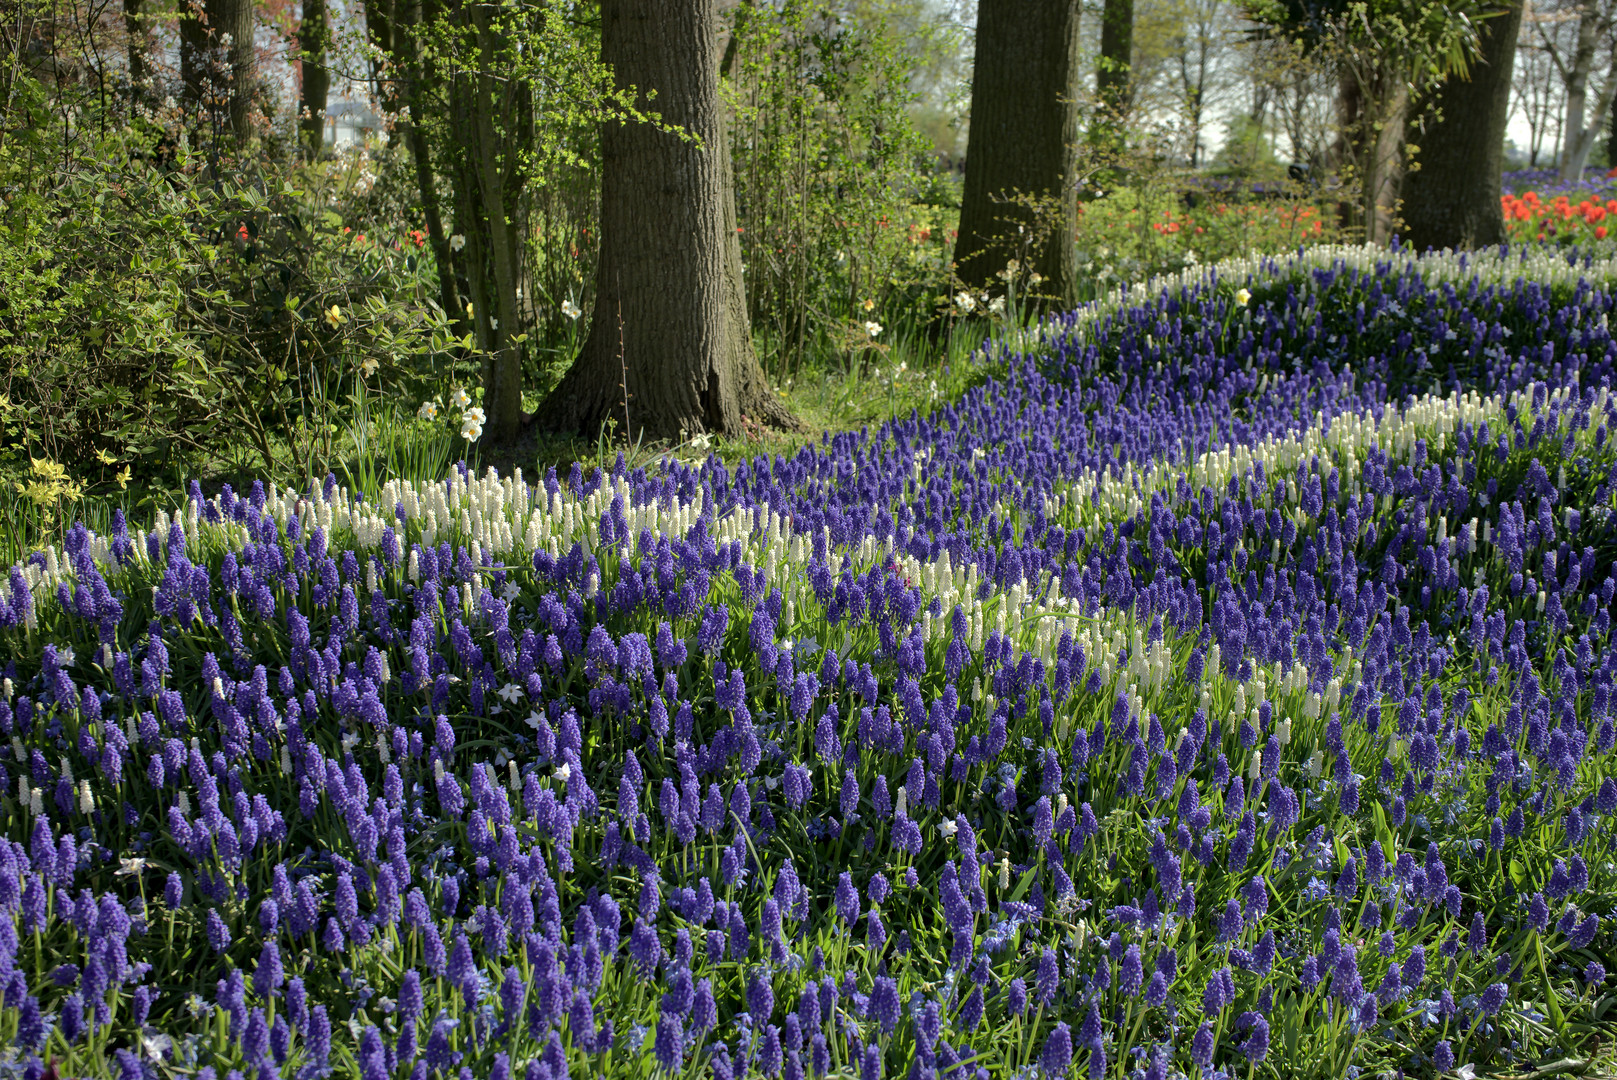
(1201,1046)
(1016,998)
(847,898)
(1055,1058)
(669,1043)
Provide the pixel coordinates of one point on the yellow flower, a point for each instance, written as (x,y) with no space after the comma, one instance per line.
(870,305)
(368,368)
(335,317)
(123,478)
(1242,296)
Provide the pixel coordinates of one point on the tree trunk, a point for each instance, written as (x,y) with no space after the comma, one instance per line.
(1577,88)
(314,38)
(419,79)
(1611,133)
(1112,85)
(193,54)
(381,19)
(1452,199)
(1024,122)
(669,349)
(140,48)
(1583,139)
(232,24)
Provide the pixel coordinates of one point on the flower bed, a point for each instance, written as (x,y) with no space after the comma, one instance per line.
(1224,685)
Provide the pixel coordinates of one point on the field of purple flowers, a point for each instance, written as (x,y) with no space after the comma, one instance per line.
(1223,687)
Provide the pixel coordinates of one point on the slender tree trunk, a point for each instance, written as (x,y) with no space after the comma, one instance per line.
(1452,199)
(140,48)
(1019,199)
(1577,88)
(668,351)
(1112,75)
(1611,133)
(419,80)
(314,39)
(381,21)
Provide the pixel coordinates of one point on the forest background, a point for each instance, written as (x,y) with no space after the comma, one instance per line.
(250,238)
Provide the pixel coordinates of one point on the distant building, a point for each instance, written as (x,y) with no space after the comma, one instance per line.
(350,122)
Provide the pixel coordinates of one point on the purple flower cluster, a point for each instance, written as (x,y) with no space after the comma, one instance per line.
(1192,673)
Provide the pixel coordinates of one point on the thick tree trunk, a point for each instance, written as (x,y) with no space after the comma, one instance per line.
(1024,122)
(314,38)
(668,351)
(1452,199)
(193,54)
(232,24)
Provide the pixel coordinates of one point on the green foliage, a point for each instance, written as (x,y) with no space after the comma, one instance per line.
(163,318)
(845,219)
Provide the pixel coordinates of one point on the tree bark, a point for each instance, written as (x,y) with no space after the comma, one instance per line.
(235,19)
(1024,122)
(669,349)
(419,81)
(1577,88)
(314,38)
(193,54)
(1583,140)
(140,48)
(1116,57)
(1452,199)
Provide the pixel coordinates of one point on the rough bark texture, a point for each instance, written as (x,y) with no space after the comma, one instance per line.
(1024,122)
(216,75)
(314,37)
(1452,200)
(669,348)
(235,18)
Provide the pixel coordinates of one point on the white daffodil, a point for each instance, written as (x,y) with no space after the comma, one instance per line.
(428,410)
(476,415)
(459,398)
(872,328)
(570,309)
(965,301)
(457,242)
(997,305)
